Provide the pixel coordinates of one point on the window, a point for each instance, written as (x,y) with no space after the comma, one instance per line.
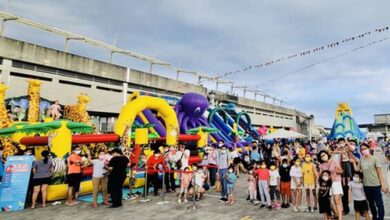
(74,83)
(21,75)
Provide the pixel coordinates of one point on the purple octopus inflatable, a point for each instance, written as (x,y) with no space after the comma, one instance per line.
(190,110)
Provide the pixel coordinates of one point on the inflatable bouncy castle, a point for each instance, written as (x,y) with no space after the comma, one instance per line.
(344,126)
(32,123)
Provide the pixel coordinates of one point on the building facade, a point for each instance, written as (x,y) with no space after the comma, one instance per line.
(66,75)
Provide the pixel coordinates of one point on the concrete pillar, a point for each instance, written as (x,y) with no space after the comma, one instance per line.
(6,71)
(125,86)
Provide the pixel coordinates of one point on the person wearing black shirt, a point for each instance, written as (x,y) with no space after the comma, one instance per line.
(285,183)
(117,168)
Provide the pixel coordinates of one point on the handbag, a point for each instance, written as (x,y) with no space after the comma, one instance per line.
(179,163)
(218,187)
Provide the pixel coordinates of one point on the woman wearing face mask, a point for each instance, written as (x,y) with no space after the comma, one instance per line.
(212,158)
(74,163)
(335,170)
(99,179)
(246,162)
(170,177)
(42,176)
(373,181)
(254,153)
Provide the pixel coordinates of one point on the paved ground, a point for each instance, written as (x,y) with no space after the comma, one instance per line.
(208,208)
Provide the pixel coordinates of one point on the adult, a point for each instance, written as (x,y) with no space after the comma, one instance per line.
(184,155)
(74,174)
(42,176)
(117,175)
(212,157)
(254,153)
(246,162)
(99,179)
(347,149)
(373,181)
(170,177)
(152,170)
(223,158)
(333,166)
(238,166)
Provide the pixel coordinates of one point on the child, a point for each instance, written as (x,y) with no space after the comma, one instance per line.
(263,175)
(252,186)
(198,181)
(274,183)
(231,180)
(358,196)
(285,183)
(309,182)
(160,177)
(132,178)
(296,184)
(325,183)
(184,184)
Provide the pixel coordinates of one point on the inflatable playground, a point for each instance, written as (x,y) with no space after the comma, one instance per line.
(344,125)
(33,123)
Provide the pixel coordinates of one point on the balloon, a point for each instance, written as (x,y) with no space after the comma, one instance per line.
(263,130)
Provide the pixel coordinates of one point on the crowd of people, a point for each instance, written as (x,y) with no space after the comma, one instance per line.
(333,176)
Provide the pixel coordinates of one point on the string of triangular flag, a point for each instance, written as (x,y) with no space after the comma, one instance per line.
(305,52)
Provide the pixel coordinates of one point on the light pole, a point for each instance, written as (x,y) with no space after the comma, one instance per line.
(204,76)
(239,87)
(217,82)
(178,71)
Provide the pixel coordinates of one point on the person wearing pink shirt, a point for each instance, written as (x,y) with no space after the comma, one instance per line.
(336,191)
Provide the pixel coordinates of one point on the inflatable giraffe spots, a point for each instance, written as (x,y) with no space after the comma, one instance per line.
(6,144)
(5,121)
(34,88)
(78,112)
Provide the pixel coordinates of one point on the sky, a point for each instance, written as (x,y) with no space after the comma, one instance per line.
(218,36)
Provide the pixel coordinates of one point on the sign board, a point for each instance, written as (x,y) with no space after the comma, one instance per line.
(16,176)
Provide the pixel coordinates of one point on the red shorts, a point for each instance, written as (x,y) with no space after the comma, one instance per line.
(285,188)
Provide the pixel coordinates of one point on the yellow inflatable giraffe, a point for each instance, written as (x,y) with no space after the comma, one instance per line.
(5,121)
(34,88)
(78,112)
(6,143)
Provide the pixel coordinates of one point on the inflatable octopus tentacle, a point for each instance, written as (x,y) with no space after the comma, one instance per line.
(180,117)
(203,122)
(192,124)
(184,126)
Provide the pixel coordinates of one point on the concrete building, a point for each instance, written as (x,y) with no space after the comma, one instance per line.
(381,124)
(66,75)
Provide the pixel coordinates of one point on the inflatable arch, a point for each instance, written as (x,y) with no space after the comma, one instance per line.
(245,115)
(137,103)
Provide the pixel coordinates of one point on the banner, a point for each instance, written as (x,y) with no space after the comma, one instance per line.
(16,176)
